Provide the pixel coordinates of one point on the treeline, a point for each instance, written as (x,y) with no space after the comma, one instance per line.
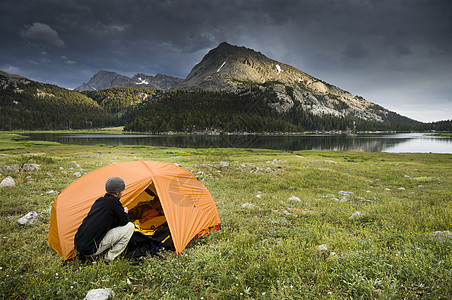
(32,106)
(195,111)
(116,99)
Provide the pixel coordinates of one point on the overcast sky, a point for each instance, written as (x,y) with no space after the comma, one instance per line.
(396,53)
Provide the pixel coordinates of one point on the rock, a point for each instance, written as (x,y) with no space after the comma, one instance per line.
(270,170)
(332,255)
(28,219)
(355,215)
(29,167)
(344,193)
(443,235)
(75,164)
(365,201)
(77,174)
(100,294)
(12,168)
(223,164)
(8,181)
(323,250)
(248,205)
(294,198)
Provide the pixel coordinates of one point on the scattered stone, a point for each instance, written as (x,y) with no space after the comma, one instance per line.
(30,167)
(77,174)
(100,294)
(259,196)
(51,192)
(28,219)
(355,215)
(61,168)
(387,189)
(75,164)
(248,205)
(294,198)
(270,170)
(177,165)
(365,201)
(223,164)
(256,170)
(8,181)
(442,235)
(344,193)
(406,176)
(12,168)
(332,255)
(323,250)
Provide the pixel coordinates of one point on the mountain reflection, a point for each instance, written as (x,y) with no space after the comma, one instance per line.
(358,143)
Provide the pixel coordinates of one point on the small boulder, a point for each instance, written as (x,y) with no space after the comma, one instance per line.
(323,250)
(12,168)
(77,174)
(8,181)
(248,205)
(75,164)
(294,198)
(100,294)
(29,167)
(223,164)
(355,215)
(443,235)
(28,219)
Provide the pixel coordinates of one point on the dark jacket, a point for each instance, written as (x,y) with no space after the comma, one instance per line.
(106,213)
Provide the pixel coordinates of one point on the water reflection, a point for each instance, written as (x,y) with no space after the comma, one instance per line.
(361,143)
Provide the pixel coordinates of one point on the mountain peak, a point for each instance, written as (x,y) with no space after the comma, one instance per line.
(106,79)
(238,69)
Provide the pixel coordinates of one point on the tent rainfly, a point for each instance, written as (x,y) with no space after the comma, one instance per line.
(187,204)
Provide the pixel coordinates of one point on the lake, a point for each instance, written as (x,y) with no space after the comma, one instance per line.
(397,143)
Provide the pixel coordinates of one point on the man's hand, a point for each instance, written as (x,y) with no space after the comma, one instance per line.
(126,210)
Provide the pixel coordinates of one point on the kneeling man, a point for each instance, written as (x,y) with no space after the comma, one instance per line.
(107,227)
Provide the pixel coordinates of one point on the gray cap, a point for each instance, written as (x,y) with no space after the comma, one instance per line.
(115,185)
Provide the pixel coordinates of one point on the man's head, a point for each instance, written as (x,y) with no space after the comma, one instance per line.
(115,185)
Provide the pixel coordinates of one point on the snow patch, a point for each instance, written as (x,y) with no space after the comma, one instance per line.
(221,67)
(278,68)
(142,81)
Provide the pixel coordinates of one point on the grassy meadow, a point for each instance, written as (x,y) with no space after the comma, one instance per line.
(276,208)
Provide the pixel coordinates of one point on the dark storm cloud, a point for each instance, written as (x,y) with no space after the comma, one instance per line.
(387,51)
(42,33)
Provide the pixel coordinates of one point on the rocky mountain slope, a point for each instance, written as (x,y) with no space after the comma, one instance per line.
(235,69)
(104,80)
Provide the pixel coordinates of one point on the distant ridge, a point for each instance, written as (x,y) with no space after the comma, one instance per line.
(105,79)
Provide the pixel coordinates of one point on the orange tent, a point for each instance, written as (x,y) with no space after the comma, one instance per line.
(187,204)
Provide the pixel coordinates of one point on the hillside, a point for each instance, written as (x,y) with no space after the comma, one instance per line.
(116,99)
(27,104)
(251,111)
(237,69)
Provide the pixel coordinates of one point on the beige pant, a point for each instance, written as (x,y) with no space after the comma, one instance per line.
(116,241)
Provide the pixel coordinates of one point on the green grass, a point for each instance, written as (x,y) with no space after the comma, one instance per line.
(266,251)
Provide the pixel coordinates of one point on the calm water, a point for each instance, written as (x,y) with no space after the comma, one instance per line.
(412,142)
